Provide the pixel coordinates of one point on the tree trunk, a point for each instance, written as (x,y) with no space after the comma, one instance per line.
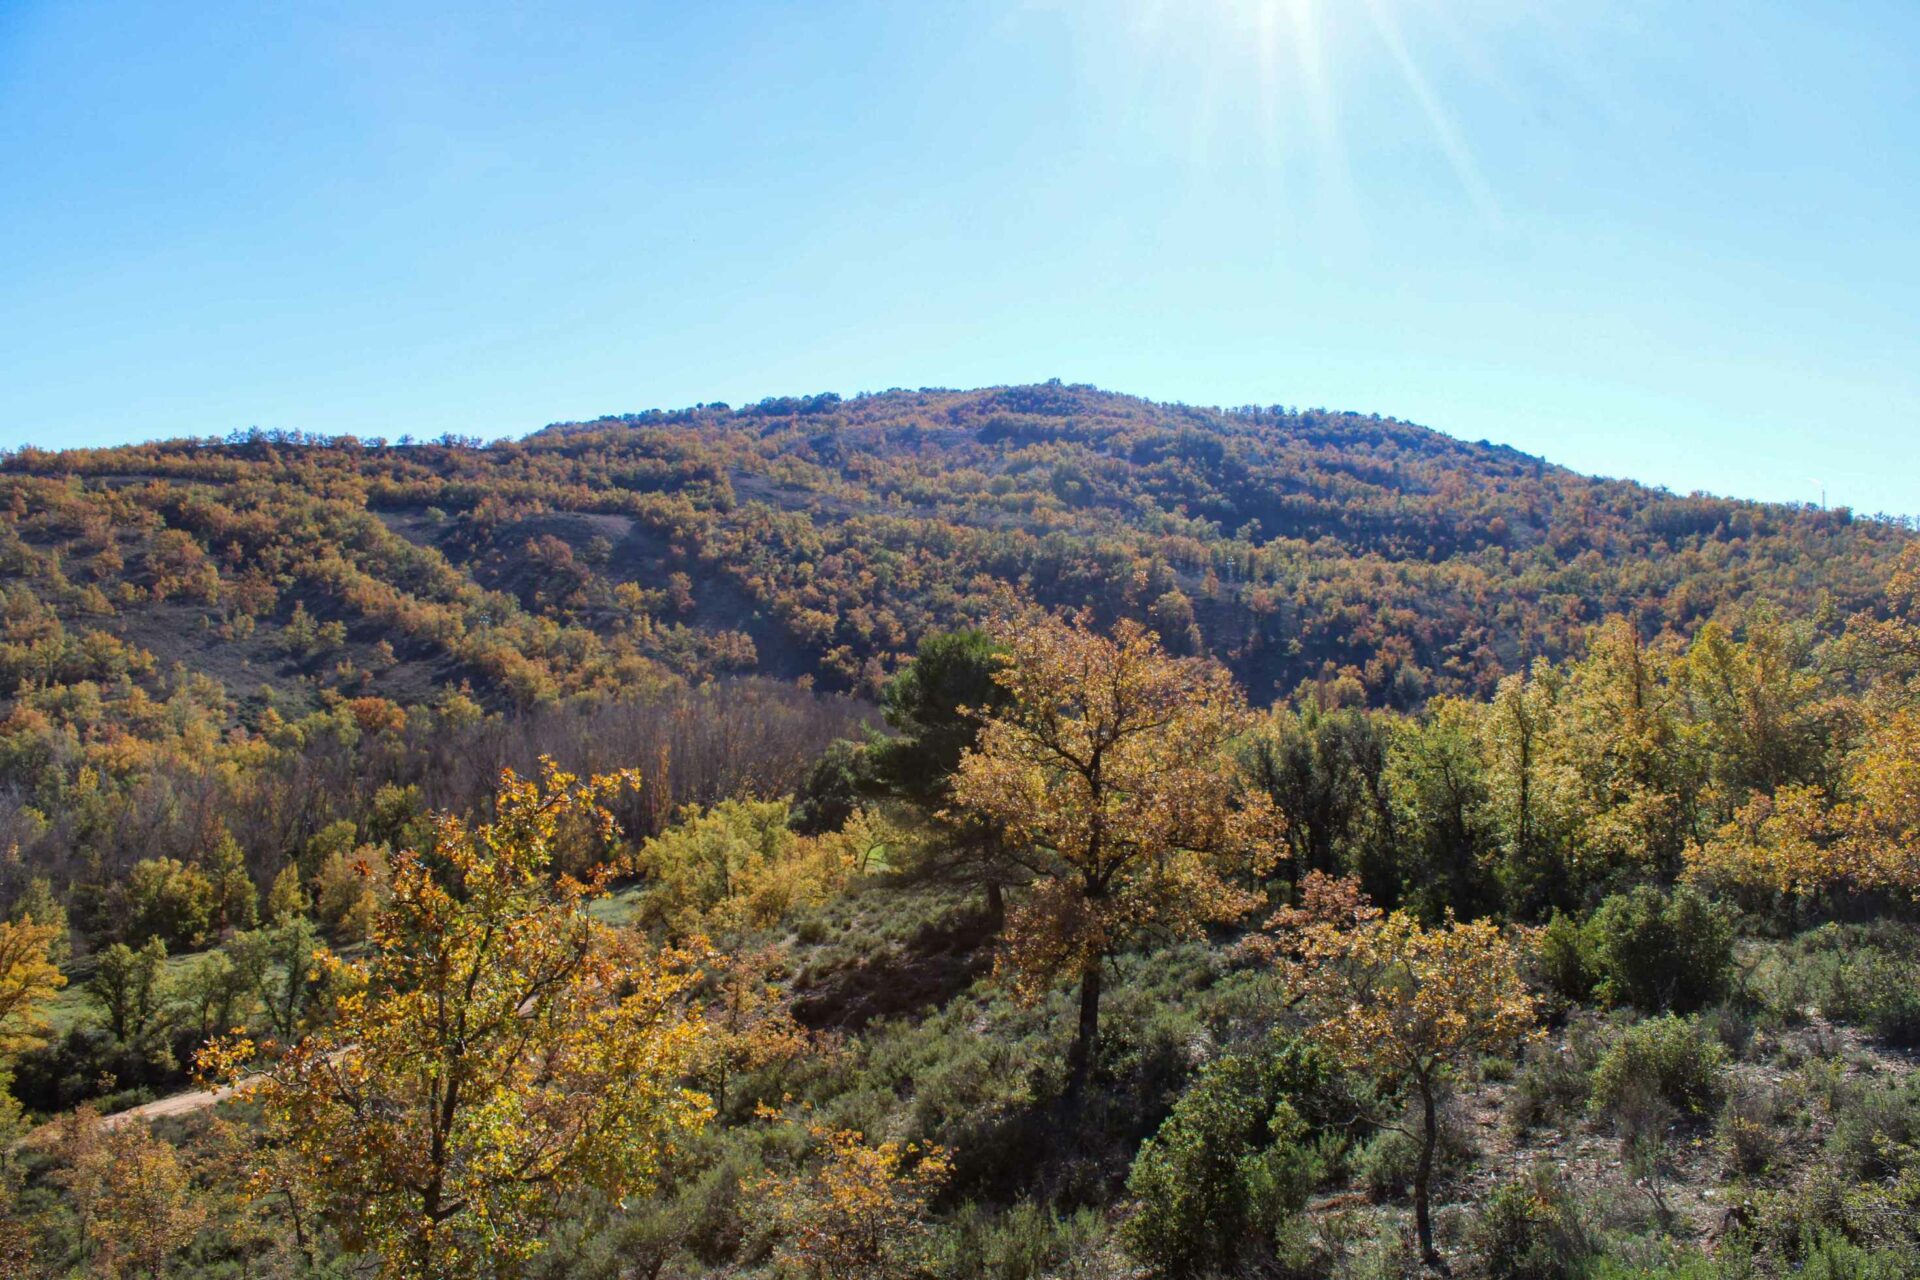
(996,905)
(1423,1175)
(1080,1057)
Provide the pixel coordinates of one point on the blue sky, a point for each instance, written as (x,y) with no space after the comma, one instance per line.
(1674,242)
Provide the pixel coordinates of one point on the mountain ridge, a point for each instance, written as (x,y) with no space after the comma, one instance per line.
(814,536)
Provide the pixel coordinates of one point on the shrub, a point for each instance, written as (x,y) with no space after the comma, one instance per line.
(1565,960)
(1555,1081)
(1224,1172)
(1386,1162)
(1749,1131)
(1528,1230)
(1697,1267)
(1204,1194)
(1027,1242)
(1868,975)
(1659,951)
(1874,988)
(1876,1127)
(1833,1257)
(1673,1058)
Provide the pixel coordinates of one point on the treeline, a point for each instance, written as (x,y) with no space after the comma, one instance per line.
(1767,756)
(86,820)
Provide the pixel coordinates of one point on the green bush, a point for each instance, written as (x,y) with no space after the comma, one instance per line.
(1660,951)
(1874,988)
(1385,1163)
(1876,1127)
(1555,1080)
(1834,1257)
(1688,1268)
(1528,1230)
(1867,975)
(1230,1166)
(1675,1059)
(1566,961)
(1026,1242)
(1750,1130)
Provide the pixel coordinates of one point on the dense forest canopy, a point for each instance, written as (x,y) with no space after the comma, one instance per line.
(251,636)
(825,537)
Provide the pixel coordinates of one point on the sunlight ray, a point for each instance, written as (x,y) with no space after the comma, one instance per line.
(1322,106)
(1445,131)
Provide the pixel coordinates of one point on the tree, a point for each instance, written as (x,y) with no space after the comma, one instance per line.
(830,792)
(1882,649)
(1620,758)
(38,905)
(1761,708)
(284,964)
(1437,777)
(216,994)
(750,1025)
(496,1053)
(1775,850)
(126,986)
(28,979)
(1326,773)
(286,899)
(1402,1002)
(171,901)
(858,1214)
(1112,762)
(935,706)
(348,890)
(136,1204)
(739,865)
(1882,821)
(236,903)
(1530,829)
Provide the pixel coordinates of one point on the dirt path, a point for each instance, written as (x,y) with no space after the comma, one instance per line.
(179,1104)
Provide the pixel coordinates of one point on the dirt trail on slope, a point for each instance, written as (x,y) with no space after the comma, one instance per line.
(179,1104)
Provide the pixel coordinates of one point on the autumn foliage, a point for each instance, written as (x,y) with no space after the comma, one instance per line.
(1110,761)
(1401,1001)
(498,1051)
(859,1215)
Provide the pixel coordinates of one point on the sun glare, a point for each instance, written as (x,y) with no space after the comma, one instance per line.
(1298,60)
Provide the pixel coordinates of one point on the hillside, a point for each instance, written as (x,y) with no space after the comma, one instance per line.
(289,623)
(621,827)
(823,538)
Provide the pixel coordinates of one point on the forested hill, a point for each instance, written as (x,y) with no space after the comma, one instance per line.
(823,537)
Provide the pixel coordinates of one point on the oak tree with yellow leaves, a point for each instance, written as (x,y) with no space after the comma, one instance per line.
(496,1052)
(134,1196)
(858,1213)
(750,1025)
(1111,763)
(1403,1002)
(1776,848)
(28,979)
